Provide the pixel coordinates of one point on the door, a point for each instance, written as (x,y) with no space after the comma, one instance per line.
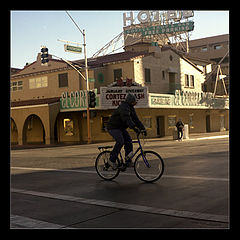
(171,82)
(208,123)
(160,126)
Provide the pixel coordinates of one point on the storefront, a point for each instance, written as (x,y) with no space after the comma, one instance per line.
(158,112)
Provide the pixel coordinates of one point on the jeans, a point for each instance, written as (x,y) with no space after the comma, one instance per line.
(180,133)
(121,137)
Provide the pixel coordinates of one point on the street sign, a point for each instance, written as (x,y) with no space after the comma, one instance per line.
(70,48)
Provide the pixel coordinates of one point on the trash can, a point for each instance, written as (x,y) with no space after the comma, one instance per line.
(175,133)
(185,132)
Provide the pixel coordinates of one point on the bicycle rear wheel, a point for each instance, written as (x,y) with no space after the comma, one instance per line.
(151,169)
(104,170)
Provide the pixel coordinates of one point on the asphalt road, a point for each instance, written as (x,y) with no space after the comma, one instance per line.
(59,188)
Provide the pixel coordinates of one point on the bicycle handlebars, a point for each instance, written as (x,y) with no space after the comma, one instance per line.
(140,132)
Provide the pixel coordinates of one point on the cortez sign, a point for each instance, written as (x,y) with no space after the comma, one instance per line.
(112,97)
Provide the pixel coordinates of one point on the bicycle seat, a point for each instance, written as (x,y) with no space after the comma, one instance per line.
(104,147)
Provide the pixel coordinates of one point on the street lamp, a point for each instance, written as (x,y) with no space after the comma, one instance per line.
(86,73)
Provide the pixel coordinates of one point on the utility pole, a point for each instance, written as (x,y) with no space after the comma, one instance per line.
(86,73)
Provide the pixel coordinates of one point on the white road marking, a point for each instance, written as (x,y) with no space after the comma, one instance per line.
(204,138)
(26,222)
(129,174)
(133,207)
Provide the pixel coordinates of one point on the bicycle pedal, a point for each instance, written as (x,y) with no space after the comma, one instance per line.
(129,164)
(123,168)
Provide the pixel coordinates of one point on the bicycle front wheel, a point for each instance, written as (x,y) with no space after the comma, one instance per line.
(149,167)
(104,170)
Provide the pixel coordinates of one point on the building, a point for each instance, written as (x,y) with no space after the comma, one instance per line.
(212,49)
(48,103)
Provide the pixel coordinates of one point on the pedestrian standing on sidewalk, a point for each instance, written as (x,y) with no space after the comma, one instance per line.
(180,126)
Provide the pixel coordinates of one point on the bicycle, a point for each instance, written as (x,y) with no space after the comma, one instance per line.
(148,165)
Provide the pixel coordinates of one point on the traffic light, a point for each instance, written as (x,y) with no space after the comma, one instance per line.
(91,99)
(44,55)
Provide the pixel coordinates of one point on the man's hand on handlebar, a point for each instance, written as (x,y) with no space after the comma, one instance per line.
(144,132)
(138,131)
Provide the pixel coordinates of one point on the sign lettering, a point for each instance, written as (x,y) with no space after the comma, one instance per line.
(154,16)
(75,101)
(112,97)
(160,29)
(69,48)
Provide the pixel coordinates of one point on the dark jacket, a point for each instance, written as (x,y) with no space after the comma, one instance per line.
(125,116)
(180,125)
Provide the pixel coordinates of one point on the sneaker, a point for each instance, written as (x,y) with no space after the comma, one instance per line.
(112,164)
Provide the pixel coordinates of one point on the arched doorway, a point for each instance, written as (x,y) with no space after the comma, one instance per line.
(67,127)
(14,133)
(33,130)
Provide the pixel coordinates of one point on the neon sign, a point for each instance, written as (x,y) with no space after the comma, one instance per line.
(154,16)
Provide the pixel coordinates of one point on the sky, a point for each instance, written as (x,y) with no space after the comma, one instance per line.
(32,29)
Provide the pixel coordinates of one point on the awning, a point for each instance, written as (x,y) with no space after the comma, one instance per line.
(172,70)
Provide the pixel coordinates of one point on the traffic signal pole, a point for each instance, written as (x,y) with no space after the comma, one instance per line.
(86,73)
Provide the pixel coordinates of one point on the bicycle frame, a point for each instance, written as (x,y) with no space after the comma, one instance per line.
(139,149)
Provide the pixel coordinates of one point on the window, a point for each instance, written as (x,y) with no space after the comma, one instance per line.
(68,126)
(38,82)
(217,47)
(204,49)
(189,81)
(172,121)
(147,122)
(63,80)
(100,77)
(186,80)
(17,85)
(147,75)
(104,121)
(117,74)
(163,75)
(192,81)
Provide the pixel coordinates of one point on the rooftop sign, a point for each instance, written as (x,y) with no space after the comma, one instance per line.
(155,16)
(161,29)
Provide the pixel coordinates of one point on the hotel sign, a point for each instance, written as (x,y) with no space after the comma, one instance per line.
(161,29)
(156,22)
(154,16)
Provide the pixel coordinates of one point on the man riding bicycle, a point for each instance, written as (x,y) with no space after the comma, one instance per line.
(123,117)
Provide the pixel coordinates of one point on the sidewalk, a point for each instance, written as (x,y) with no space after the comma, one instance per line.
(193,136)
